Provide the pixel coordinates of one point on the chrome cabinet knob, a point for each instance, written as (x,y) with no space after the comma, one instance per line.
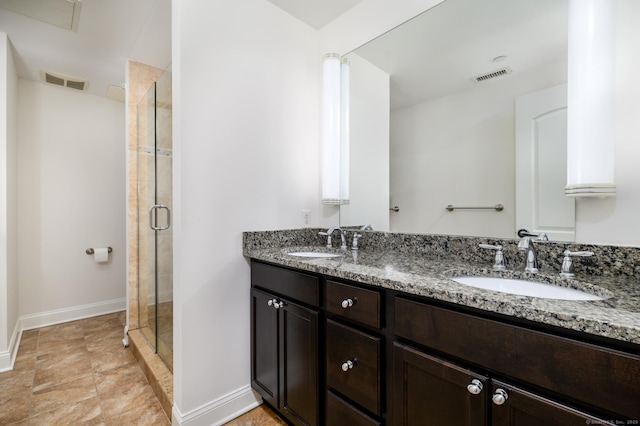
(347,303)
(275,304)
(348,365)
(475,387)
(499,397)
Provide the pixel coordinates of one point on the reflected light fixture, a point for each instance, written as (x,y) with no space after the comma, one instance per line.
(590,124)
(335,130)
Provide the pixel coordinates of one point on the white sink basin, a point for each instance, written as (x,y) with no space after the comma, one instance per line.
(526,288)
(314,254)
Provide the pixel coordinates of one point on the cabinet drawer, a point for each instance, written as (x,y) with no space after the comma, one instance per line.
(284,282)
(597,376)
(340,412)
(354,303)
(360,380)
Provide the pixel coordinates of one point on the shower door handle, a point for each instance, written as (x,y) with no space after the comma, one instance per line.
(153,210)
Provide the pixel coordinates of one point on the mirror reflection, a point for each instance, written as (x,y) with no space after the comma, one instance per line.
(464,105)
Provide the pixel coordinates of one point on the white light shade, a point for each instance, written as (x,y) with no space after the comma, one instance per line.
(344,130)
(590,130)
(335,175)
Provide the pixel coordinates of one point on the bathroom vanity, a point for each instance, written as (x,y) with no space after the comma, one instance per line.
(386,337)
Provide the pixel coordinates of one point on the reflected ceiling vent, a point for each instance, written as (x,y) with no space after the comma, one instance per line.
(492,75)
(61,13)
(64,80)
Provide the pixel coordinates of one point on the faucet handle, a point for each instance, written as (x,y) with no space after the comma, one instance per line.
(328,235)
(567,263)
(356,237)
(499,264)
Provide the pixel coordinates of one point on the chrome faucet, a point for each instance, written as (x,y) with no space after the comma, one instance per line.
(526,243)
(343,236)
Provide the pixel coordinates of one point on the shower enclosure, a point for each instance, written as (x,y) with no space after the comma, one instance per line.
(155,242)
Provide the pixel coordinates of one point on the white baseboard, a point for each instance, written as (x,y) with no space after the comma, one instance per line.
(8,357)
(219,411)
(44,319)
(73,313)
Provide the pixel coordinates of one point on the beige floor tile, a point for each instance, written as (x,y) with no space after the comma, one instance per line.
(61,346)
(61,368)
(149,413)
(104,325)
(64,394)
(122,388)
(67,331)
(78,373)
(259,416)
(14,407)
(103,360)
(16,381)
(86,412)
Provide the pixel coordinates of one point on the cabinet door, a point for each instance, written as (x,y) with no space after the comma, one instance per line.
(264,346)
(299,386)
(430,391)
(517,407)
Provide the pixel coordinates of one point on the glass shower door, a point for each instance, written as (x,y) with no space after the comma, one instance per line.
(155,274)
(163,232)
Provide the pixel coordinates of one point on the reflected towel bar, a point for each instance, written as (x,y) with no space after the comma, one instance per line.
(497,207)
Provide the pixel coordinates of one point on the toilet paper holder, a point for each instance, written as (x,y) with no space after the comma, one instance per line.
(90,250)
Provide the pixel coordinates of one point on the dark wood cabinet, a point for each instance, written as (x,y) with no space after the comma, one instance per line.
(542,360)
(327,352)
(264,347)
(353,365)
(429,391)
(354,303)
(517,407)
(432,391)
(340,412)
(285,354)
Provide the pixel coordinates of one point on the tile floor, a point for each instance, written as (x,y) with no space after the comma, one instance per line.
(260,416)
(78,373)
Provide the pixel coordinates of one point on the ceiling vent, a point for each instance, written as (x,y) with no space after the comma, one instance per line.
(61,13)
(492,74)
(64,80)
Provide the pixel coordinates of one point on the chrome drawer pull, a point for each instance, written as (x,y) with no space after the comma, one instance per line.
(347,303)
(347,365)
(475,387)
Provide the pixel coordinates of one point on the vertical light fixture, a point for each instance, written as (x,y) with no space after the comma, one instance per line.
(335,142)
(590,130)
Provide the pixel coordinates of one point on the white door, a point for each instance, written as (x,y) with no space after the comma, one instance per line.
(541,164)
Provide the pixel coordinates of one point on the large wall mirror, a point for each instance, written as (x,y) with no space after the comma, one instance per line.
(464,105)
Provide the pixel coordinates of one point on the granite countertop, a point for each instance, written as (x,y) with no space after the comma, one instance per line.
(616,317)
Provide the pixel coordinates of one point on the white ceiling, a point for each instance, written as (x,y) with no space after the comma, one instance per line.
(438,52)
(109,33)
(315,13)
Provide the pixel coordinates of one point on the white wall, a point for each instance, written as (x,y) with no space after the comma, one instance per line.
(8,208)
(71,174)
(246,157)
(615,220)
(460,150)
